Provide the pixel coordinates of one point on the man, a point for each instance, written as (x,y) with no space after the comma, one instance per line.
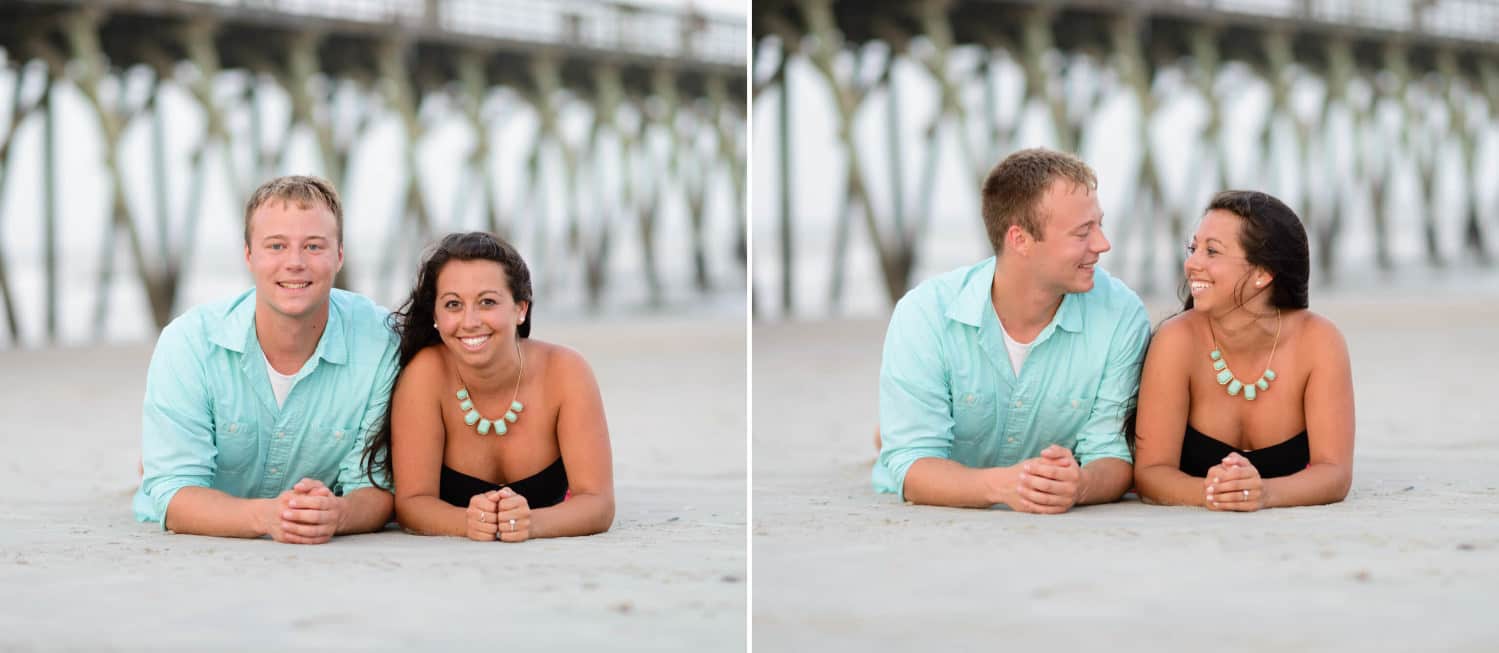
(1008,382)
(257,409)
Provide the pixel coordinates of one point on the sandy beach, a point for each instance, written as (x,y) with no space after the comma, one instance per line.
(1410,561)
(81,574)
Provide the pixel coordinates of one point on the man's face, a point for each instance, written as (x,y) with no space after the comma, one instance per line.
(1072,226)
(293,256)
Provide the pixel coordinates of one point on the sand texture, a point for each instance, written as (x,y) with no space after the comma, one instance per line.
(1410,561)
(79,573)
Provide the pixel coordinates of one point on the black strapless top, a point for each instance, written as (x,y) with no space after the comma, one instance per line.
(1200,452)
(547,487)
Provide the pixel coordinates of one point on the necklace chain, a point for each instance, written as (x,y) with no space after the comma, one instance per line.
(1226,377)
(512,413)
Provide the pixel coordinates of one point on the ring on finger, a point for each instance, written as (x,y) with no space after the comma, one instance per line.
(1246,495)
(512,525)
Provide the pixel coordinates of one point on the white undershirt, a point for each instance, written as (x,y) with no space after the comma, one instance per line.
(280,383)
(1018,350)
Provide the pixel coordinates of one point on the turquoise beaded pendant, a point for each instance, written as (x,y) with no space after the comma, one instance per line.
(1234,385)
(472,417)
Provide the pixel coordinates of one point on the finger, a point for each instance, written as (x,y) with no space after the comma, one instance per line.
(1235,485)
(518,514)
(306,530)
(482,516)
(514,502)
(1064,473)
(1053,452)
(310,517)
(1043,485)
(485,527)
(1233,497)
(482,503)
(505,492)
(289,538)
(321,492)
(1023,504)
(516,536)
(309,502)
(1042,498)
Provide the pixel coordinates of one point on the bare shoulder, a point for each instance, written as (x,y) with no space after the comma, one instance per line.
(562,363)
(1321,335)
(427,365)
(1173,339)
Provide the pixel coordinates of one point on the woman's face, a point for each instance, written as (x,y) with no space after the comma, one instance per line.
(475,313)
(1216,266)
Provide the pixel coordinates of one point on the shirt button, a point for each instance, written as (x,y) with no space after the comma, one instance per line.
(338,435)
(1018,404)
(968,399)
(275,470)
(280,434)
(1074,403)
(233,428)
(1012,440)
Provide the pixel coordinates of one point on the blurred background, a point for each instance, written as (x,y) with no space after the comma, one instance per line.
(876,121)
(606,139)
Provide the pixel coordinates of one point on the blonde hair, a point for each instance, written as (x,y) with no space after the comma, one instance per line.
(304,190)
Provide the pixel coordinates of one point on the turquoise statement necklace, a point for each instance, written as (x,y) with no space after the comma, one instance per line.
(472,417)
(1226,376)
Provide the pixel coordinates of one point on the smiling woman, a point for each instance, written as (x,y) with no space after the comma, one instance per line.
(461,458)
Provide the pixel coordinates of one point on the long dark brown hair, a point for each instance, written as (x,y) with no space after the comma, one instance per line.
(413,323)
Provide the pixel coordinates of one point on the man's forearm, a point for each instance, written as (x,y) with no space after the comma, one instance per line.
(942,482)
(1104,480)
(365,510)
(204,511)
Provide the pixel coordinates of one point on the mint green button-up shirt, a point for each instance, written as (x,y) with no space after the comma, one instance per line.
(210,418)
(947,389)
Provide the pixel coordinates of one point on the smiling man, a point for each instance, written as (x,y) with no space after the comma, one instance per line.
(257,408)
(1008,382)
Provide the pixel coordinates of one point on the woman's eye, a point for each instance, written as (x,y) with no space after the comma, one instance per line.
(450,305)
(488,302)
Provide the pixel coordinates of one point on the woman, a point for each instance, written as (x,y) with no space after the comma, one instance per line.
(490,434)
(1246,399)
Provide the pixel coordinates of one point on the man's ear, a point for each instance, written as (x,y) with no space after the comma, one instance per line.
(1018,240)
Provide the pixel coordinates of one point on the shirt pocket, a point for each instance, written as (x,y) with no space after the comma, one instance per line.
(326,447)
(1071,413)
(237,444)
(973,415)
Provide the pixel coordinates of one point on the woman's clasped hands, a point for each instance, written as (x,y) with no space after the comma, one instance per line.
(499,515)
(1234,484)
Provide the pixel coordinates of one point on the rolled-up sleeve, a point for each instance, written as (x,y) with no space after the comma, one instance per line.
(351,475)
(915,403)
(1102,436)
(177,445)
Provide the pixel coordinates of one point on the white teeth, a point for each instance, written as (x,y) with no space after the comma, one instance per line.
(294,286)
(474,341)
(1198,285)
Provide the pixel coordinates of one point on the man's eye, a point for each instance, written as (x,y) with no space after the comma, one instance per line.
(314,247)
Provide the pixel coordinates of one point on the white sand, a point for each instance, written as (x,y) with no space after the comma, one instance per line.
(78,572)
(1410,561)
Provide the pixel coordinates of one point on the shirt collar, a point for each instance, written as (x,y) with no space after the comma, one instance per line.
(973,300)
(236,329)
